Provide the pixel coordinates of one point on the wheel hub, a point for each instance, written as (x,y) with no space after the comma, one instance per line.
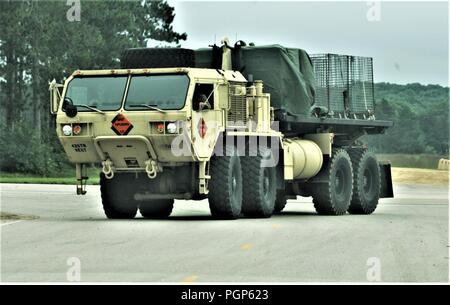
(367,180)
(339,182)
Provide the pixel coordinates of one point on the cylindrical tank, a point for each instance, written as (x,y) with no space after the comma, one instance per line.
(307,158)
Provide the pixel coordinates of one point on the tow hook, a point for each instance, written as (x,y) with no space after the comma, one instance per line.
(151,167)
(107,169)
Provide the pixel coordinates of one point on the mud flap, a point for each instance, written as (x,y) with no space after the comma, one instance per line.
(386,181)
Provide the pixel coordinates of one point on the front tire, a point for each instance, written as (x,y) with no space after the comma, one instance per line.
(333,192)
(366,182)
(118,197)
(225,185)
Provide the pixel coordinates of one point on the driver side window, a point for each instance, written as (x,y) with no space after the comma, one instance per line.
(203,97)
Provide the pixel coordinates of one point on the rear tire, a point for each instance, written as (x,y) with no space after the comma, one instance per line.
(225,185)
(333,192)
(366,182)
(280,203)
(259,183)
(156,208)
(118,197)
(139,58)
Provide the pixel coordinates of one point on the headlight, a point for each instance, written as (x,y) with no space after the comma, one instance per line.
(67,130)
(172,128)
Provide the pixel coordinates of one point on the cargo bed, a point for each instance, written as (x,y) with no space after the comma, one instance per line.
(356,127)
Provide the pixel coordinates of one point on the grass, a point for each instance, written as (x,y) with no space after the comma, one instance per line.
(399,175)
(67,177)
(412,161)
(9,216)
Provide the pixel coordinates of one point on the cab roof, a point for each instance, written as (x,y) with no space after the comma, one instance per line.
(196,73)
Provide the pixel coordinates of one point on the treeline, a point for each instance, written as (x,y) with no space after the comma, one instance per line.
(420,115)
(45,40)
(39,42)
(421,119)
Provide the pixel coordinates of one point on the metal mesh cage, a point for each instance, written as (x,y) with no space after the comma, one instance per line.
(344,85)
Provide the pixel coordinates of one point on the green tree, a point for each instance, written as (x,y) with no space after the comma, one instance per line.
(420,115)
(38,43)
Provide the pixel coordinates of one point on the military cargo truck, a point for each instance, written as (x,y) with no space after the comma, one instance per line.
(246,127)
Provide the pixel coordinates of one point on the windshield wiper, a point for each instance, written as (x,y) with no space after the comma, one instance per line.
(149,107)
(91,108)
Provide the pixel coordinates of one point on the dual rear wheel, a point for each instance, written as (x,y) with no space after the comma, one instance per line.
(349,182)
(366,182)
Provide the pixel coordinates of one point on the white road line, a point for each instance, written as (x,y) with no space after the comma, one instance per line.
(31,191)
(10,223)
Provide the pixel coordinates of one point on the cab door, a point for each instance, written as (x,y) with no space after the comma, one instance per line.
(207,118)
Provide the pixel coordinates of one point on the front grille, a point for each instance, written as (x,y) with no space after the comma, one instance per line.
(238,112)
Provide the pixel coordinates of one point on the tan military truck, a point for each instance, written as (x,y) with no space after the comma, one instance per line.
(245,127)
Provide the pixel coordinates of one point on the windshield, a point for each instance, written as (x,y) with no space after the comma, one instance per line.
(103,93)
(161,91)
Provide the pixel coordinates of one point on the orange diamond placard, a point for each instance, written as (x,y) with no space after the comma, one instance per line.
(121,125)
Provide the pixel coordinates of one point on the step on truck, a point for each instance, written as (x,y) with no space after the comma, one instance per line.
(246,127)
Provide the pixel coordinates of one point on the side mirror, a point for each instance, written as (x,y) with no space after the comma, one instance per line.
(69,108)
(55,96)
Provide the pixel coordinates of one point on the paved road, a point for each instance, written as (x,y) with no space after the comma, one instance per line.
(406,240)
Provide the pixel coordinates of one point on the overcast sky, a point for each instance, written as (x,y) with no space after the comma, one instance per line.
(409,43)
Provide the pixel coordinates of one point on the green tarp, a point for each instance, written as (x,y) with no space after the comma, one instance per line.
(287,74)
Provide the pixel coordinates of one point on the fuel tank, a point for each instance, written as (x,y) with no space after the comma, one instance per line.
(303,158)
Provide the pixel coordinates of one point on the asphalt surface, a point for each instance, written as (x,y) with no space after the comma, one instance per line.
(406,240)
